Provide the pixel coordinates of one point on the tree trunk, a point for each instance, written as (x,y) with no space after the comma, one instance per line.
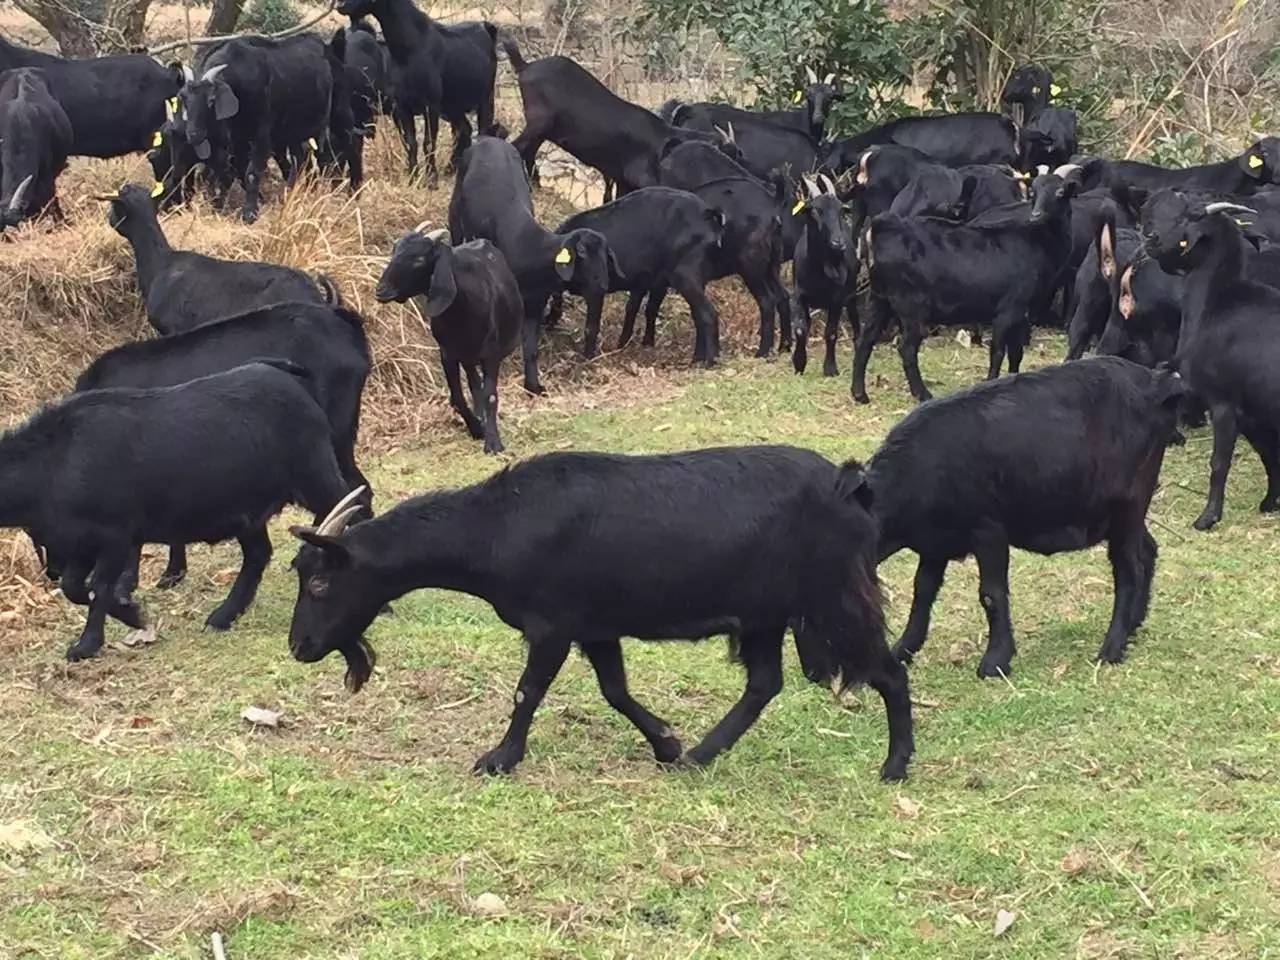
(126,23)
(224,17)
(71,32)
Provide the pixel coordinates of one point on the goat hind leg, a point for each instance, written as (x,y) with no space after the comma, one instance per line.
(606,660)
(256,547)
(176,570)
(111,563)
(888,678)
(1125,550)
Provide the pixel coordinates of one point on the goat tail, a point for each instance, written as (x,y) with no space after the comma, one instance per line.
(512,50)
(328,289)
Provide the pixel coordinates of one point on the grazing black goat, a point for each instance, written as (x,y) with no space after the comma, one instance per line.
(100,472)
(182,289)
(565,104)
(810,117)
(114,104)
(255,98)
(1027,93)
(661,238)
(492,201)
(35,139)
(1050,138)
(587,548)
(826,272)
(1229,344)
(1055,460)
(472,302)
(753,246)
(173,160)
(930,272)
(441,70)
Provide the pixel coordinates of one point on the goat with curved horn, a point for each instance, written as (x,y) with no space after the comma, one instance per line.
(808,72)
(188,75)
(421,228)
(827,182)
(340,516)
(811,187)
(829,79)
(15,202)
(1224,206)
(212,72)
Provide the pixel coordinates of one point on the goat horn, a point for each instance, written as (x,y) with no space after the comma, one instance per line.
(720,130)
(212,72)
(1222,206)
(826,182)
(20,194)
(1067,169)
(829,78)
(733,137)
(420,227)
(808,72)
(439,235)
(188,75)
(341,514)
(811,187)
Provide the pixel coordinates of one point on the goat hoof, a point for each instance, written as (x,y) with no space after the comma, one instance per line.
(537,389)
(861,397)
(494,448)
(903,654)
(249,216)
(993,669)
(894,770)
(170,580)
(830,370)
(130,614)
(764,353)
(387,611)
(648,342)
(476,431)
(1207,521)
(498,760)
(668,750)
(1270,504)
(1111,654)
(590,353)
(219,622)
(81,650)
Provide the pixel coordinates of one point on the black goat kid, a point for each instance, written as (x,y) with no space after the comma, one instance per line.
(211,459)
(826,272)
(588,548)
(472,302)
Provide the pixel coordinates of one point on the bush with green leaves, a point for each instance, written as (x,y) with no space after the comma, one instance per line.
(269,16)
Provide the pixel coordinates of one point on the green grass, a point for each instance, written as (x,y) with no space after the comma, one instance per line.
(1118,812)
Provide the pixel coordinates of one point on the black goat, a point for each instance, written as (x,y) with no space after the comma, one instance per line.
(441,70)
(753,246)
(587,548)
(931,272)
(955,194)
(954,139)
(810,117)
(35,139)
(1110,255)
(1228,346)
(114,104)
(1050,138)
(370,77)
(565,104)
(472,302)
(1027,93)
(256,97)
(1256,167)
(492,201)
(1055,460)
(826,273)
(102,471)
(661,238)
(763,147)
(182,289)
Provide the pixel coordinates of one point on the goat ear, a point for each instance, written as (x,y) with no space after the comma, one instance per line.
(615,271)
(853,483)
(334,551)
(444,288)
(1170,387)
(225,103)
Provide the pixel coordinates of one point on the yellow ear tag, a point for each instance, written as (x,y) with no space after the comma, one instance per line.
(798,97)
(1255,162)
(1054,89)
(797,208)
(158,189)
(312,144)
(173,104)
(564,256)
(157,140)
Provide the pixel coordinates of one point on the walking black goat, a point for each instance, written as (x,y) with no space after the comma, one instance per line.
(182,289)
(587,548)
(472,302)
(208,460)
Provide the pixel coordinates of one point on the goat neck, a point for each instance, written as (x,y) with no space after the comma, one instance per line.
(151,250)
(1221,270)
(403,25)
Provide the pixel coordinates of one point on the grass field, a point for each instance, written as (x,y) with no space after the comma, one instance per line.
(1114,812)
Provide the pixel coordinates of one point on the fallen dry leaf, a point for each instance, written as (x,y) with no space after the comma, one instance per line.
(138,722)
(23,836)
(1075,862)
(1004,920)
(489,905)
(261,717)
(900,854)
(141,638)
(905,807)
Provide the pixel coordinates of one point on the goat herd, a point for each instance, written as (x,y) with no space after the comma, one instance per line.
(251,398)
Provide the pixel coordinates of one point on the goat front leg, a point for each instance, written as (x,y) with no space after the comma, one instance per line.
(256,548)
(532,327)
(832,336)
(761,650)
(259,150)
(1226,430)
(801,320)
(111,563)
(606,660)
(547,653)
(992,551)
(930,572)
(74,588)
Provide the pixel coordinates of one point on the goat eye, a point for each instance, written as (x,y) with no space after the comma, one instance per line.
(318,587)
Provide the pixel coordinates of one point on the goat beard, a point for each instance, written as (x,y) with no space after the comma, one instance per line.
(361,659)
